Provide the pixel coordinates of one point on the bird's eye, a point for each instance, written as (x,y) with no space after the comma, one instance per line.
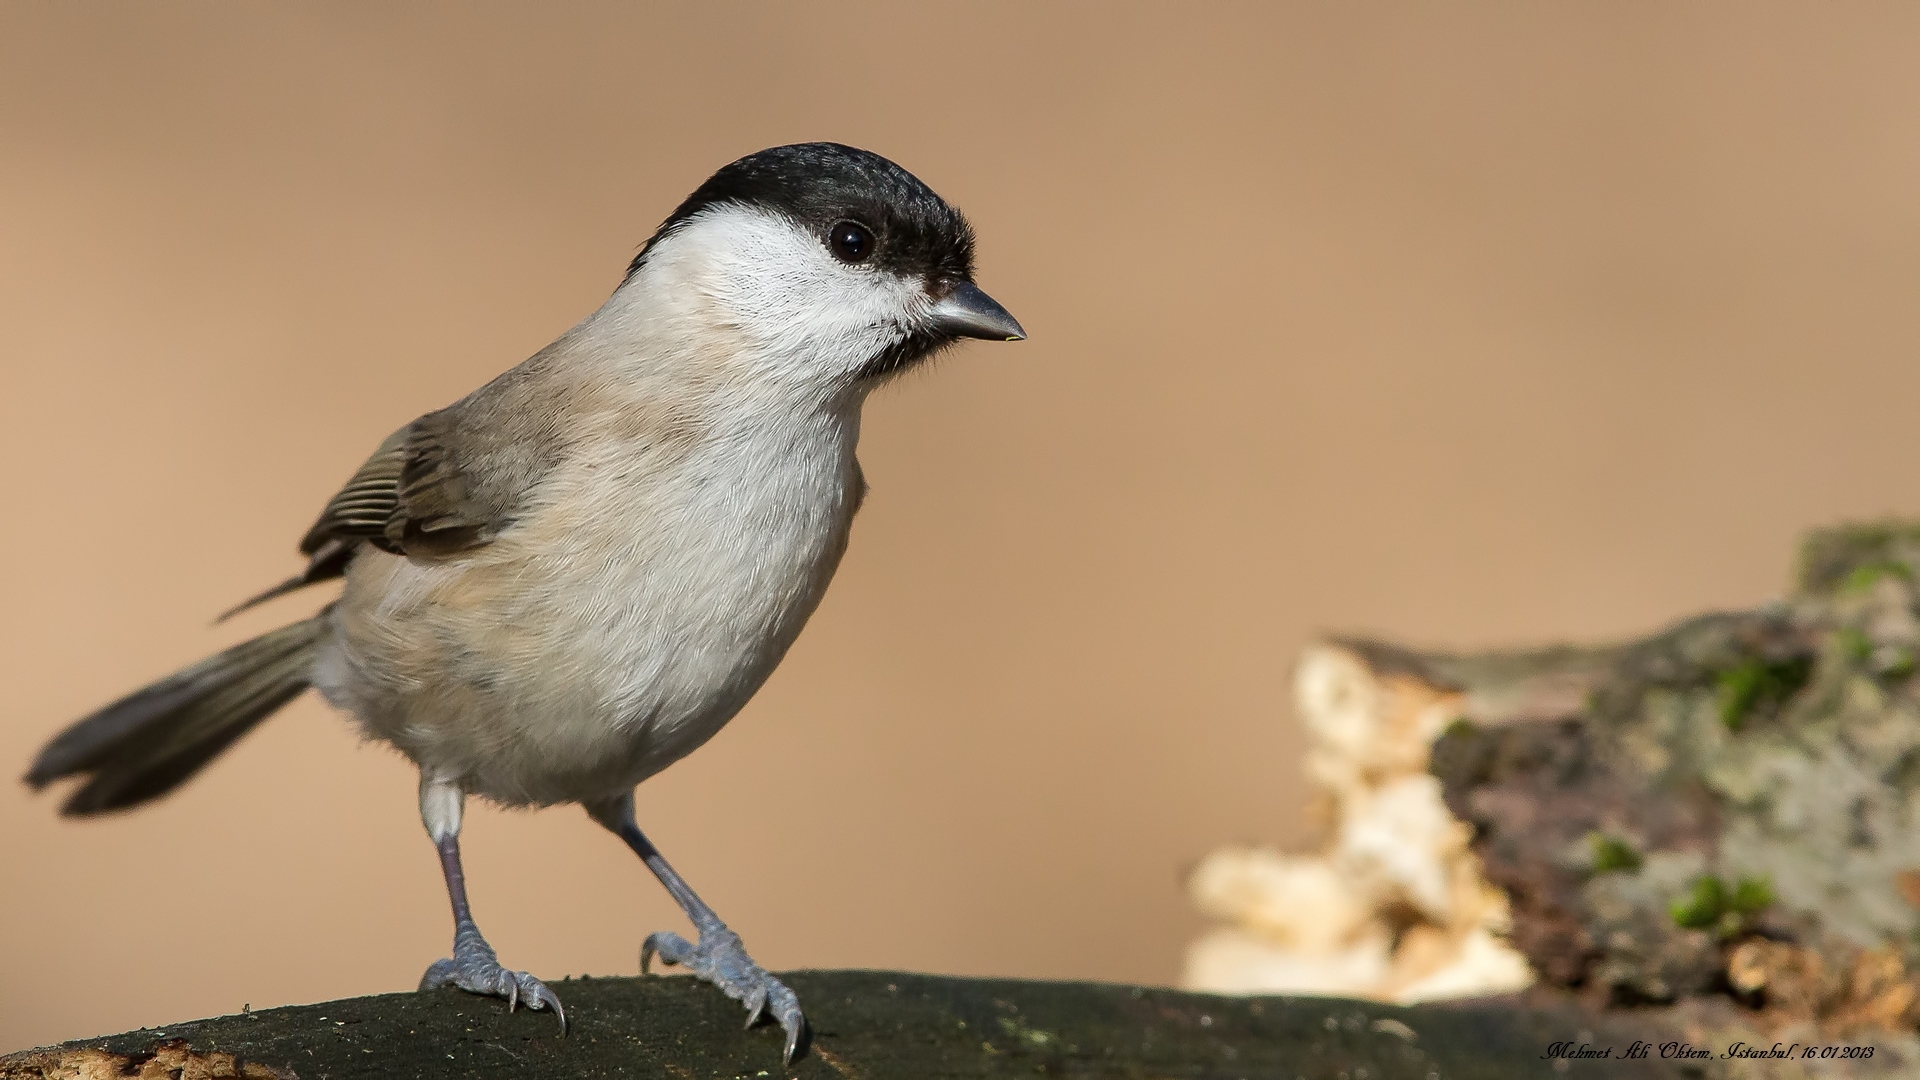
(851,241)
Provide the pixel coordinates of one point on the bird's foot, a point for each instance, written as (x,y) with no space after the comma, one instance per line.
(720,959)
(475,969)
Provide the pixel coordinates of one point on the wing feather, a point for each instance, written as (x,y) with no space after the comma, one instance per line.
(409,498)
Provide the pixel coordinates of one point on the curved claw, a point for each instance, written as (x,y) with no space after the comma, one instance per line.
(513,992)
(669,946)
(786,1009)
(799,1035)
(756,1005)
(545,998)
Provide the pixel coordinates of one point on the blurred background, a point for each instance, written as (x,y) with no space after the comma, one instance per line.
(1462,325)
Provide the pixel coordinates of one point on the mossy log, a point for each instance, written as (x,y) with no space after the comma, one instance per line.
(1723,816)
(868,1025)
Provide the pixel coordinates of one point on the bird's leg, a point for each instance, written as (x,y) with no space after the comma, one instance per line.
(473,967)
(718,956)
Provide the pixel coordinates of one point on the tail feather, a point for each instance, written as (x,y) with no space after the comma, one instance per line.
(155,739)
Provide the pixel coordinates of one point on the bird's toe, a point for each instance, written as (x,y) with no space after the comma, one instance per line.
(474,968)
(721,959)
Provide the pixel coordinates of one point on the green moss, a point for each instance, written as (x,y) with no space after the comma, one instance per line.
(1863,578)
(1701,906)
(1884,661)
(1751,896)
(1711,904)
(1754,683)
(1854,643)
(1832,558)
(1610,854)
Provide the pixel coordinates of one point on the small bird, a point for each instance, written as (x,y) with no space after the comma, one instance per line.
(574,576)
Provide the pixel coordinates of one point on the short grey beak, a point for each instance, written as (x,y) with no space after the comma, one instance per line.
(968,312)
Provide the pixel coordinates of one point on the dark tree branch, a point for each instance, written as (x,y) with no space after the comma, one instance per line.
(868,1026)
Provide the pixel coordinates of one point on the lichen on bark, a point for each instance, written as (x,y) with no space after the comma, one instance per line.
(1734,809)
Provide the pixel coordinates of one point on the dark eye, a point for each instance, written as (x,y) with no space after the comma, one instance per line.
(851,241)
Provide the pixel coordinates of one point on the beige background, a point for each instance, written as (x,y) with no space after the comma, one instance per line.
(1465,324)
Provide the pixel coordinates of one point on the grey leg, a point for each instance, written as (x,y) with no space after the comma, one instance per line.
(718,957)
(473,966)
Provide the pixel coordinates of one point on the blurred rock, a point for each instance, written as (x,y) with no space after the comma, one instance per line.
(1393,906)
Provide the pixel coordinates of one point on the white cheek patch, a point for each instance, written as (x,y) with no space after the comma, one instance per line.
(801,311)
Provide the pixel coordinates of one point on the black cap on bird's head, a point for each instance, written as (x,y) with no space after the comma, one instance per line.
(866,210)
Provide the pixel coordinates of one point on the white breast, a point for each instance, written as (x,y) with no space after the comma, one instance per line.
(636,607)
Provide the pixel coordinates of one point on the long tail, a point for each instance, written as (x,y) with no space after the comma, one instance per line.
(153,740)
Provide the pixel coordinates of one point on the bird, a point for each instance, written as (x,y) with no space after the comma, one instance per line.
(571,578)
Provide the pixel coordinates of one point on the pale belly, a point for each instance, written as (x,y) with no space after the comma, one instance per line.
(580,653)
